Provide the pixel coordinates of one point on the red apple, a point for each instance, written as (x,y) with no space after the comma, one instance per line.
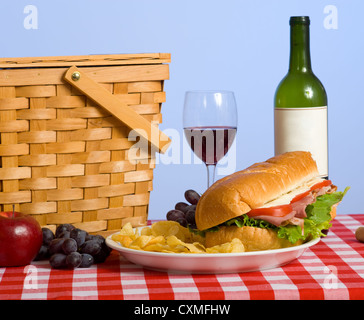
(20,239)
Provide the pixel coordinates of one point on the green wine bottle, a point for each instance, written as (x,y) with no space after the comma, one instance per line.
(300,102)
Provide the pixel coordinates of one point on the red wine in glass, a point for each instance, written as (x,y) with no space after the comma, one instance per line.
(210,144)
(210,122)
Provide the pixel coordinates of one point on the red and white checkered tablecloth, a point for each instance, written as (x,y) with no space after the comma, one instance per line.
(332,269)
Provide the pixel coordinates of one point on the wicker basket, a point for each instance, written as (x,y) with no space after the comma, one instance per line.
(64,128)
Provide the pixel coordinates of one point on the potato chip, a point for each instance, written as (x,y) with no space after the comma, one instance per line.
(174,241)
(229,247)
(165,228)
(141,241)
(147,231)
(193,248)
(158,239)
(170,237)
(123,239)
(127,230)
(156,247)
(237,246)
(214,249)
(200,246)
(170,228)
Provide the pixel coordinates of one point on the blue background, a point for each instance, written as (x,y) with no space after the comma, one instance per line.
(235,45)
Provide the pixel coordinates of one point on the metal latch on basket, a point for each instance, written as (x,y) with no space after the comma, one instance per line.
(120,110)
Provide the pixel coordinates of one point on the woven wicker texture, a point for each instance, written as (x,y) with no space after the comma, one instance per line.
(65,159)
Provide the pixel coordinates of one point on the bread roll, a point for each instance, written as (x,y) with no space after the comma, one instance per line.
(251,188)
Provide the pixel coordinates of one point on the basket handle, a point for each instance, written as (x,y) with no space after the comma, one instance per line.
(120,110)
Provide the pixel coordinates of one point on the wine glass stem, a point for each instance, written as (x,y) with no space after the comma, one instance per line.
(210,174)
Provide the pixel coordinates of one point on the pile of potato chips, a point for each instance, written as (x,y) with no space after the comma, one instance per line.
(170,237)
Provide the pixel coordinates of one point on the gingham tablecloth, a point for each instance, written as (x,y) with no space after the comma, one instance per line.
(332,269)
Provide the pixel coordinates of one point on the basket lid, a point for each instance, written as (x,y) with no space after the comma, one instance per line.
(86,60)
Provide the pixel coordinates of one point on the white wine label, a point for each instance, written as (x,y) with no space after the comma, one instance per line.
(302,129)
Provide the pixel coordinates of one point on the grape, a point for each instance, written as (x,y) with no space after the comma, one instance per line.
(87,260)
(56,246)
(106,248)
(90,237)
(99,238)
(65,234)
(181,206)
(102,254)
(173,215)
(101,257)
(72,247)
(190,207)
(63,227)
(42,253)
(73,260)
(182,222)
(69,245)
(190,216)
(183,212)
(58,261)
(91,247)
(79,235)
(192,196)
(48,236)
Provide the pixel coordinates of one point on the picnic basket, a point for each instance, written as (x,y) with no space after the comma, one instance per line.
(65,137)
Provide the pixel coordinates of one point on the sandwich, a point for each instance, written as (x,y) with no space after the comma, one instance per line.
(278,203)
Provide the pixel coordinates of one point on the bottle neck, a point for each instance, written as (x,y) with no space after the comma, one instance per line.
(300,59)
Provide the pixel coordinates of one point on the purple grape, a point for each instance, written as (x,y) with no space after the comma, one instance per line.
(192,196)
(182,222)
(64,234)
(97,237)
(173,215)
(73,248)
(63,227)
(181,206)
(69,245)
(91,247)
(58,261)
(73,260)
(102,254)
(43,253)
(56,246)
(79,235)
(48,236)
(190,207)
(190,217)
(87,260)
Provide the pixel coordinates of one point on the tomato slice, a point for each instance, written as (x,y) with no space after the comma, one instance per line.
(321,184)
(300,196)
(277,211)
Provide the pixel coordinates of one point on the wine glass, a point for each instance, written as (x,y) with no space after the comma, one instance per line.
(210,124)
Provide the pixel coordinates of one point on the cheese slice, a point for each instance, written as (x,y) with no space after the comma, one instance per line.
(287,198)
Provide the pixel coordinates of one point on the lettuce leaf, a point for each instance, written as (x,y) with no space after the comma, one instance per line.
(320,210)
(318,218)
(244,220)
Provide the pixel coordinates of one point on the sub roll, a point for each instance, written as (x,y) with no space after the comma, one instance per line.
(274,204)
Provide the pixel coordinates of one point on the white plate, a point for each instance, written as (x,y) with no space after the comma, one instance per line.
(211,262)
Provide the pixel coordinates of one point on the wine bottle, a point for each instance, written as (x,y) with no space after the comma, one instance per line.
(300,102)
